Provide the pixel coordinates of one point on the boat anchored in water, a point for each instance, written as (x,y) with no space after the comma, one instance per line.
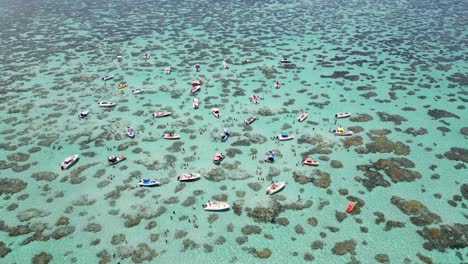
(284,136)
(68,162)
(107,77)
(112,160)
(350,206)
(225,134)
(215,206)
(83,114)
(148,183)
(275,187)
(217,158)
(302,116)
(341,132)
(188,176)
(215,112)
(130,132)
(171,135)
(255,99)
(270,156)
(342,114)
(250,120)
(122,85)
(310,161)
(106,104)
(195,103)
(162,114)
(137,91)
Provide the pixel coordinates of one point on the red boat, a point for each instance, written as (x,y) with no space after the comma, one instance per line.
(350,206)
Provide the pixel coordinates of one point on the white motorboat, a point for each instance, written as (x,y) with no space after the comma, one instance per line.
(162,114)
(302,116)
(167,70)
(275,187)
(119,58)
(342,114)
(146,56)
(195,103)
(341,132)
(148,183)
(130,132)
(137,91)
(310,161)
(188,176)
(250,120)
(171,136)
(284,136)
(254,98)
(216,206)
(285,60)
(112,160)
(215,112)
(106,104)
(107,77)
(195,88)
(68,162)
(83,114)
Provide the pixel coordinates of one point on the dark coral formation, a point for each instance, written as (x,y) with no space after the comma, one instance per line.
(10,186)
(395,168)
(344,247)
(458,154)
(445,237)
(420,214)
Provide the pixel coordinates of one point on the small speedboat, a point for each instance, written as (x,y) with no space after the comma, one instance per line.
(130,132)
(285,60)
(255,99)
(302,117)
(148,183)
(225,134)
(146,56)
(195,88)
(342,114)
(68,162)
(215,206)
(218,157)
(162,114)
(250,120)
(122,85)
(171,135)
(188,176)
(195,103)
(137,91)
(107,77)
(270,156)
(119,58)
(215,112)
(106,104)
(341,132)
(350,206)
(197,82)
(310,161)
(83,114)
(284,136)
(112,160)
(277,84)
(275,187)
(167,70)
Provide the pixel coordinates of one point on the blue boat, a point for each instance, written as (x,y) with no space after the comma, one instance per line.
(148,183)
(130,132)
(270,156)
(225,134)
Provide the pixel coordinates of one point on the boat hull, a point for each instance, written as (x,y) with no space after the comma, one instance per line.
(275,187)
(68,162)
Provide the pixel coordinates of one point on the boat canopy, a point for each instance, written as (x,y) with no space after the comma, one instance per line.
(284,134)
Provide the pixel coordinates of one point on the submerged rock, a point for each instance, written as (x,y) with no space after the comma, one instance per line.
(42,258)
(344,247)
(62,232)
(45,176)
(251,229)
(445,237)
(28,214)
(458,154)
(421,216)
(264,253)
(11,186)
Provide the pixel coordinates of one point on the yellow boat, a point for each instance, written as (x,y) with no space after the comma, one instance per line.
(122,85)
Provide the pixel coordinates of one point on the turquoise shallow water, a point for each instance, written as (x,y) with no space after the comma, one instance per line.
(399,67)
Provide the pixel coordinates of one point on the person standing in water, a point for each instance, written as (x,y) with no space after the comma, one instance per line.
(197,67)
